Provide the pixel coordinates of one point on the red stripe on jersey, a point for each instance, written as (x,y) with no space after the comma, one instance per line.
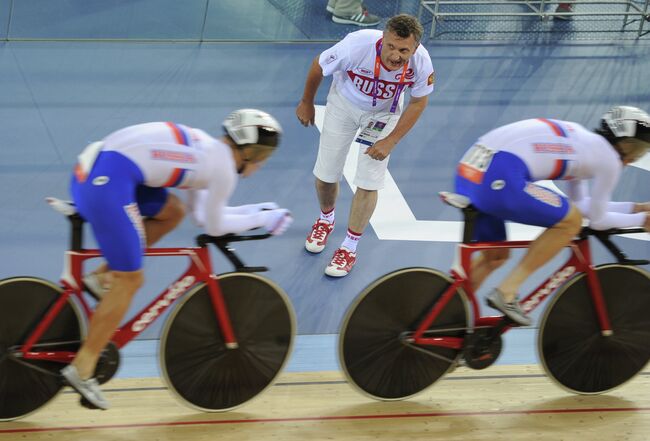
(180,139)
(173,178)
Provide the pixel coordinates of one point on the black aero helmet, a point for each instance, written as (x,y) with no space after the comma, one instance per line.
(254,129)
(625,122)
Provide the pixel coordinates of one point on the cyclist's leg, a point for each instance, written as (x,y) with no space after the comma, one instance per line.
(487,228)
(543,249)
(108,205)
(487,262)
(162,212)
(106,319)
(504,190)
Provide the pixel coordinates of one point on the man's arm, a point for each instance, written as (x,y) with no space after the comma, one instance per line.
(382,148)
(305,110)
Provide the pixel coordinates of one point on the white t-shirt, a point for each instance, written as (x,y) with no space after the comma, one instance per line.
(563,150)
(174,155)
(352,62)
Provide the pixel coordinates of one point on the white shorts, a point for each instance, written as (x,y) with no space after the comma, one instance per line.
(340,126)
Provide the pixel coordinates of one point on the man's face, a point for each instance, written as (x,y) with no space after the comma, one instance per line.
(396,51)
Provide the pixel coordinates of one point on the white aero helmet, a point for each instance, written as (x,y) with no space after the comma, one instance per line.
(626,122)
(253,128)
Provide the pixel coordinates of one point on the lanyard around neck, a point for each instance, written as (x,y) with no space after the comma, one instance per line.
(400,86)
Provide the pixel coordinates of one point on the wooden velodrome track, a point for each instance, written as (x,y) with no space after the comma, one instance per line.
(513,402)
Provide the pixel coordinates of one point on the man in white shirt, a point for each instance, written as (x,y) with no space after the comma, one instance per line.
(371,69)
(499,171)
(125,177)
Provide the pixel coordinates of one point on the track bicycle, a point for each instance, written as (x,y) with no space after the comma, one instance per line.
(225,341)
(407,329)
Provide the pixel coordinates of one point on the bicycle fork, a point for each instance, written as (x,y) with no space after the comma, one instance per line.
(219,305)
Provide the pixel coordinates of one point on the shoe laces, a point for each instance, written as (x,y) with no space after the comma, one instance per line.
(320,230)
(341,257)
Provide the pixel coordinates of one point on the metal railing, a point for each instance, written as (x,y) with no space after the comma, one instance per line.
(439,9)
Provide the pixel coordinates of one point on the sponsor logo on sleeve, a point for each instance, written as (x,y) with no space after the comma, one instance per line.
(330,59)
(169,155)
(553,148)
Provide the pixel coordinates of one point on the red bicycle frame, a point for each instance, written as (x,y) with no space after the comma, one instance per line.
(579,262)
(199,270)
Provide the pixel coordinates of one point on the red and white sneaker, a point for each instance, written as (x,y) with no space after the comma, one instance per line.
(342,263)
(317,237)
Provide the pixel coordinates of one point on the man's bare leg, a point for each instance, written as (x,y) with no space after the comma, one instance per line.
(327,193)
(363,205)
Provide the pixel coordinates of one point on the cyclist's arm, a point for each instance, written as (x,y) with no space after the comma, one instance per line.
(602,212)
(197,201)
(578,192)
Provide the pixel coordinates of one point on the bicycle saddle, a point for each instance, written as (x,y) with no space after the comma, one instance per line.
(454,199)
(66,208)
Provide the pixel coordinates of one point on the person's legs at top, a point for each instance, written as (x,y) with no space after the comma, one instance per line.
(564,8)
(352,12)
(339,128)
(331,6)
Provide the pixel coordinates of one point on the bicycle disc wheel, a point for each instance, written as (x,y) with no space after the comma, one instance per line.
(374,357)
(197,365)
(571,346)
(26,385)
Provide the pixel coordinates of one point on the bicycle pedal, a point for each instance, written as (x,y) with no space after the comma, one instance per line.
(87,404)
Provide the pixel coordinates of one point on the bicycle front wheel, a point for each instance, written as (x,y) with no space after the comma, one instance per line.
(197,365)
(574,351)
(372,349)
(27,385)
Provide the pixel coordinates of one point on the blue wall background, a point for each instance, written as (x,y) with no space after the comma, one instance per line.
(147,20)
(288,20)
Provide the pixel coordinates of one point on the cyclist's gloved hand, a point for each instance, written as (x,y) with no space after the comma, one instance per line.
(277,221)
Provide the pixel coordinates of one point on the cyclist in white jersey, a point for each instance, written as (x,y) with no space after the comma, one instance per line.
(499,171)
(371,69)
(125,177)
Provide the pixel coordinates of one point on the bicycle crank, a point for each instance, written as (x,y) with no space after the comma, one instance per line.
(482,347)
(108,363)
